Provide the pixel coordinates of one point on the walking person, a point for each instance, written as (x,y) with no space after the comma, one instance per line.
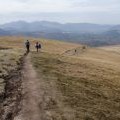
(27,44)
(37,46)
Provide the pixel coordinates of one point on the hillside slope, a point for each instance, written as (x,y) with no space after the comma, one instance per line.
(86,81)
(113,48)
(72,81)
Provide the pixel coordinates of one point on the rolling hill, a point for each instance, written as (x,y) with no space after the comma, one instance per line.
(73,81)
(86,81)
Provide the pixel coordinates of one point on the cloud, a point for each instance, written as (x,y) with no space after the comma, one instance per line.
(60,10)
(94,5)
(58,5)
(33,6)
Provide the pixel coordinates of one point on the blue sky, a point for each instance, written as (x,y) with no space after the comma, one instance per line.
(80,11)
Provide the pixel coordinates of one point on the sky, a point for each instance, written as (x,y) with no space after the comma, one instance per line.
(63,11)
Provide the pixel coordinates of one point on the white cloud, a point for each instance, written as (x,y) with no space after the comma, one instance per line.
(58,5)
(68,10)
(33,6)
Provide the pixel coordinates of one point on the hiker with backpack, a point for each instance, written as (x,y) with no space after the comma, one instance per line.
(37,46)
(27,44)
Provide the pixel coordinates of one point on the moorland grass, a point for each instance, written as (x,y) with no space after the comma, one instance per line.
(91,88)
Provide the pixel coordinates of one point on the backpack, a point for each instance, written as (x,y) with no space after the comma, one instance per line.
(39,46)
(27,43)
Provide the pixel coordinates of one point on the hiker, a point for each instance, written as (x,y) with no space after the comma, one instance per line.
(38,46)
(27,44)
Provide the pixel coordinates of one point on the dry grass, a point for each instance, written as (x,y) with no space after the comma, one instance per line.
(10,54)
(89,81)
(114,48)
(47,45)
(13,48)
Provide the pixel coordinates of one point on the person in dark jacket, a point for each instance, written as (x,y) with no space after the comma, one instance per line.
(37,46)
(27,44)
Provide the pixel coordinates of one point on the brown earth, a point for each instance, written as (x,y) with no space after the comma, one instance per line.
(63,82)
(11,97)
(40,98)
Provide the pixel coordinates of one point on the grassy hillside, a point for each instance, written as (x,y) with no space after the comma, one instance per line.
(80,83)
(86,81)
(9,57)
(113,48)
(12,49)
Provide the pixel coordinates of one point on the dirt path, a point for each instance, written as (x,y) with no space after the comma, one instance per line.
(41,99)
(31,100)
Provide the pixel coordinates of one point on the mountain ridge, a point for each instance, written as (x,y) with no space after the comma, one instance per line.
(72,27)
(86,33)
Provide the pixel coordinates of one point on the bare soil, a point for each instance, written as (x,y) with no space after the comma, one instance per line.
(30,103)
(11,97)
(41,99)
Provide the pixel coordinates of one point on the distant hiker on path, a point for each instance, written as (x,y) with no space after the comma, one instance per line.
(27,44)
(37,46)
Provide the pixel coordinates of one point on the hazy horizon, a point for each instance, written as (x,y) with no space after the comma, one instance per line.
(20,20)
(64,11)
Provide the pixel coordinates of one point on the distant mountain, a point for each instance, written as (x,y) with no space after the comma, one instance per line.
(44,26)
(86,33)
(86,28)
(116,27)
(3,32)
(22,26)
(19,25)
